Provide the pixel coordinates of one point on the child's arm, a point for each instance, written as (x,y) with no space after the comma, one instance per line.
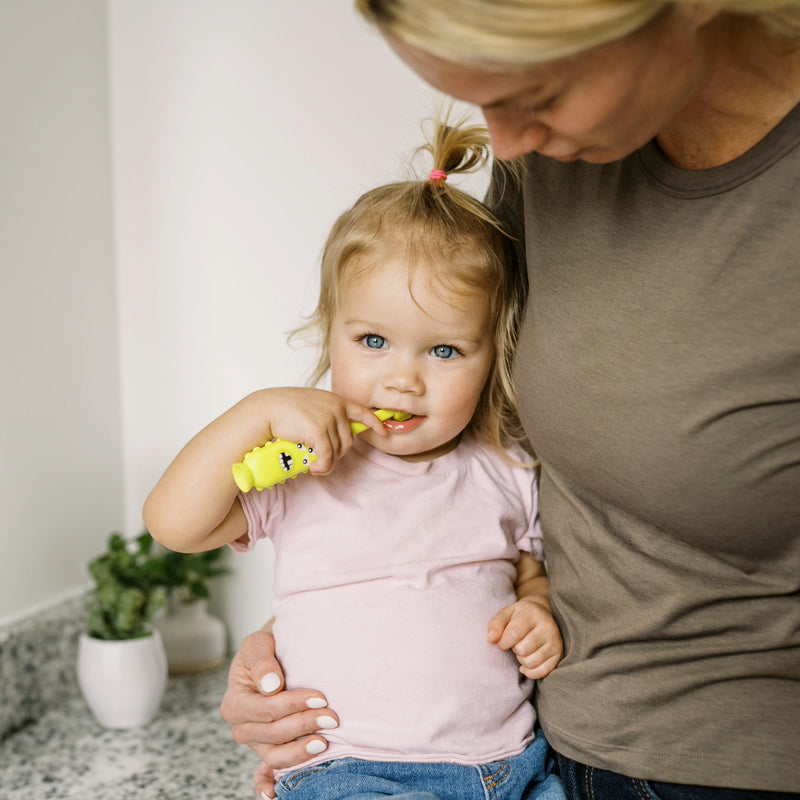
(527,627)
(193,506)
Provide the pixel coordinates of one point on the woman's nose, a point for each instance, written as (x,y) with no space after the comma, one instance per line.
(512,137)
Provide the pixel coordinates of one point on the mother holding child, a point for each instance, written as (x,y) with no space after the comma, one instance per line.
(657,378)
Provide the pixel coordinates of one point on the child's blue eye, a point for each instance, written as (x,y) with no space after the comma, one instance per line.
(373,341)
(444,351)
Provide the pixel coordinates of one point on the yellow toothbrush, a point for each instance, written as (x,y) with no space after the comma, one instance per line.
(278,460)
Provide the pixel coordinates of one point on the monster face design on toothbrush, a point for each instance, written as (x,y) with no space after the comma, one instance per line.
(273,463)
(278,460)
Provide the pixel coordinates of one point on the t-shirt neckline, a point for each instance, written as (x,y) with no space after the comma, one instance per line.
(452,460)
(672,180)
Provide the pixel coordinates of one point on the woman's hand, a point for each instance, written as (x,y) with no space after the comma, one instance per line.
(279,726)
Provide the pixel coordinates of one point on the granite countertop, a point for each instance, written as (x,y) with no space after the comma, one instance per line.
(51,745)
(185,752)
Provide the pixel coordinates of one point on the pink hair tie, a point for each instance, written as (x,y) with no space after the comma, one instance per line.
(438,175)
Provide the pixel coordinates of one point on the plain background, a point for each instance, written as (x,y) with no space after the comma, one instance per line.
(169,170)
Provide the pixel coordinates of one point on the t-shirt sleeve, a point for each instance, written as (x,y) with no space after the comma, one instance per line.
(261,510)
(529,532)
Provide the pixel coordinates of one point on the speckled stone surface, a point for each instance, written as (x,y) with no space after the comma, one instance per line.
(37,663)
(51,745)
(185,752)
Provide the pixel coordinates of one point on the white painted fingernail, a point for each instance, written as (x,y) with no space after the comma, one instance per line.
(265,796)
(327,723)
(270,682)
(315,747)
(316,702)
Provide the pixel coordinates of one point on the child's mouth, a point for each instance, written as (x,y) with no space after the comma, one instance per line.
(403,425)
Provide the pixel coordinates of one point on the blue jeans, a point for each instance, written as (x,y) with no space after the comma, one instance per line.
(590,783)
(528,776)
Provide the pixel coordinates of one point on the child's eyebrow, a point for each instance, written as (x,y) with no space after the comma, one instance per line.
(459,341)
(362,323)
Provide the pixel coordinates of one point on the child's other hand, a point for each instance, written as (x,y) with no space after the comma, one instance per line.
(528,628)
(318,419)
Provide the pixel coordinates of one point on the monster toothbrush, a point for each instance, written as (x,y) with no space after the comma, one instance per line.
(278,460)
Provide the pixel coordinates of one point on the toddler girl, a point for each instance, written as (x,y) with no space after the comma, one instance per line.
(409,567)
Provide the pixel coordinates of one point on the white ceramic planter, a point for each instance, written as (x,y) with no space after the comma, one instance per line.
(123,682)
(194,640)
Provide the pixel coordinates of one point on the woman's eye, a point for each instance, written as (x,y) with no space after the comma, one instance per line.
(444,351)
(540,107)
(373,341)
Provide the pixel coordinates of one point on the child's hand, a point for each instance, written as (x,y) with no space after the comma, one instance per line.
(316,418)
(528,628)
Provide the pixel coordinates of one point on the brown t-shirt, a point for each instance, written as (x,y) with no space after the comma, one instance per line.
(659,382)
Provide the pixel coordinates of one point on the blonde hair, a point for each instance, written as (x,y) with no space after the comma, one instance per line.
(431,225)
(519,33)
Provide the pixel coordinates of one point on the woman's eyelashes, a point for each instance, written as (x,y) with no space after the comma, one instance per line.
(539,106)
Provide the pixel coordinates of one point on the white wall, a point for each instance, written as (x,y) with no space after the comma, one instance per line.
(60,468)
(240,129)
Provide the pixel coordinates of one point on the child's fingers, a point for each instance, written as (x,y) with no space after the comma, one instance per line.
(519,620)
(365,417)
(532,650)
(541,670)
(497,627)
(326,447)
(331,443)
(337,437)
(538,656)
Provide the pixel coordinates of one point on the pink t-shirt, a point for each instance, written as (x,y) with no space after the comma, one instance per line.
(387,574)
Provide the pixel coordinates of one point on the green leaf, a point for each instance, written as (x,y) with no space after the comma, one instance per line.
(109,596)
(98,625)
(132,579)
(127,618)
(155,601)
(145,541)
(199,589)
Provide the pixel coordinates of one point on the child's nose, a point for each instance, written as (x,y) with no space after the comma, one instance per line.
(404,376)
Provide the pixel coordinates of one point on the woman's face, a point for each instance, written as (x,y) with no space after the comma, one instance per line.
(598,106)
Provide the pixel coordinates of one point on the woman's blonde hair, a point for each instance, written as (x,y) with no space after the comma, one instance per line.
(519,33)
(432,226)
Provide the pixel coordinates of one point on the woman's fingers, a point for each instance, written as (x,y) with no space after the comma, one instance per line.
(280,720)
(264,781)
(293,754)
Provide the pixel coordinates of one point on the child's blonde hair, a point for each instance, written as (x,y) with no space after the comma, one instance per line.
(432,225)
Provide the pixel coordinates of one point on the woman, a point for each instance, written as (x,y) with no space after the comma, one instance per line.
(658,378)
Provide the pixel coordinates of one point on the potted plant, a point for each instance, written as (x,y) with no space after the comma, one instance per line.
(194,639)
(122,666)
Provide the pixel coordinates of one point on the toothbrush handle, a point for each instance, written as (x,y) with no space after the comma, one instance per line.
(272,463)
(278,460)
